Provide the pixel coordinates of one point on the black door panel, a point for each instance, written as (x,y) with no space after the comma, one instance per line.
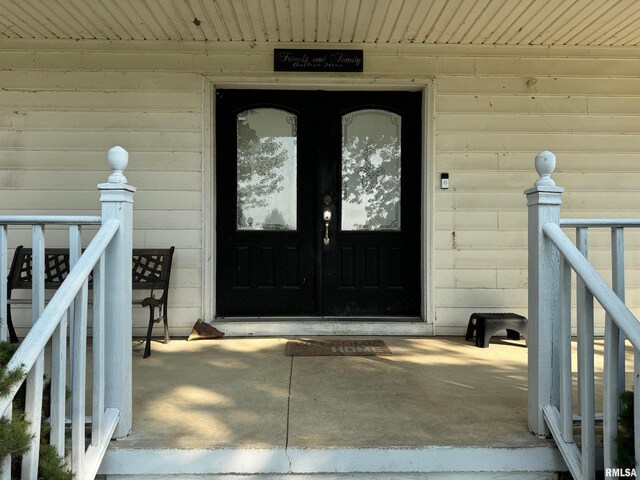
(286,158)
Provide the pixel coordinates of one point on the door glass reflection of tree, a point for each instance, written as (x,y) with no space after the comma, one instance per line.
(371,170)
(266,168)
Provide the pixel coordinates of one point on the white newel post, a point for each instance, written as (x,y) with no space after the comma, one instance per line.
(543,201)
(117,203)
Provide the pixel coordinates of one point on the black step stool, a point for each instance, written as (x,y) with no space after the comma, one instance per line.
(486,325)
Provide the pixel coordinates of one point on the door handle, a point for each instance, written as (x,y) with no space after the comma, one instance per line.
(327,218)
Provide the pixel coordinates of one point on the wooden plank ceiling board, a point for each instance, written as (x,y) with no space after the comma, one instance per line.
(459,22)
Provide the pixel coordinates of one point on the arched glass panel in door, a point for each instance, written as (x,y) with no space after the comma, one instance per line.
(371,173)
(266,169)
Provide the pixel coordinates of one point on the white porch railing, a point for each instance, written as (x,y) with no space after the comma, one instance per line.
(552,259)
(108,255)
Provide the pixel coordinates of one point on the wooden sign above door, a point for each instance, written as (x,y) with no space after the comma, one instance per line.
(316,60)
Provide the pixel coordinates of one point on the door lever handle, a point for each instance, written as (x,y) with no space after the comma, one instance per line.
(327,218)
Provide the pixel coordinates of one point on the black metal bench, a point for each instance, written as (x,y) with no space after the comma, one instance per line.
(151,271)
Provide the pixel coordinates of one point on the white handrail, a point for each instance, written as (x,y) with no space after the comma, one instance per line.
(615,307)
(49,220)
(600,222)
(39,335)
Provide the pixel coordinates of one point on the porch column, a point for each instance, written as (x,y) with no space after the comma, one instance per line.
(117,203)
(543,201)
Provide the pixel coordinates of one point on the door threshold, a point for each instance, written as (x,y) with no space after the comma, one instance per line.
(301,326)
(321,318)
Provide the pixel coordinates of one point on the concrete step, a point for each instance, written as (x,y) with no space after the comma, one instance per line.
(349,476)
(393,463)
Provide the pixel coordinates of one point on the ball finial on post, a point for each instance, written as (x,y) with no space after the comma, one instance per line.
(545,165)
(118,159)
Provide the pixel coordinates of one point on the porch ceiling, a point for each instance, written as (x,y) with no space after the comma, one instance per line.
(466,22)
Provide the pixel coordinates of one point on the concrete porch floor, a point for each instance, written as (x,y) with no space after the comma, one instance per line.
(243,395)
(244,392)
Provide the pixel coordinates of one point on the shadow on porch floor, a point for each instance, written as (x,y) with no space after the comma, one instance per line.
(245,393)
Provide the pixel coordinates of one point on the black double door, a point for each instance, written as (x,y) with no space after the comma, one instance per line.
(318,203)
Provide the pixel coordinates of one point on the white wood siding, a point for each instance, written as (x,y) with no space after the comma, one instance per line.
(62,105)
(489,127)
(55,129)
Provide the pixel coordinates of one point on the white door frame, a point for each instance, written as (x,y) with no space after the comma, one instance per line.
(425,325)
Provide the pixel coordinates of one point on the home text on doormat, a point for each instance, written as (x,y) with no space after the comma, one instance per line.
(317,348)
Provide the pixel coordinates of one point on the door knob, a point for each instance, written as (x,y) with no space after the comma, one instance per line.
(327,218)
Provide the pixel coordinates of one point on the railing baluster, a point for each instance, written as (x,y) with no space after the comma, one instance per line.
(587,387)
(59,385)
(618,286)
(75,244)
(614,382)
(79,374)
(38,273)
(582,244)
(75,250)
(4,329)
(35,378)
(636,403)
(566,380)
(586,365)
(5,463)
(611,396)
(98,353)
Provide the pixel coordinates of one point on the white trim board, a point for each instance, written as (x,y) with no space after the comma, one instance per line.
(272,81)
(244,461)
(208,200)
(274,328)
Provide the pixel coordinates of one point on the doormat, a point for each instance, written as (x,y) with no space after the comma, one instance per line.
(320,348)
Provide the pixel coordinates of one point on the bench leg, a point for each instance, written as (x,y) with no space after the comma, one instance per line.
(147,347)
(13,337)
(163,312)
